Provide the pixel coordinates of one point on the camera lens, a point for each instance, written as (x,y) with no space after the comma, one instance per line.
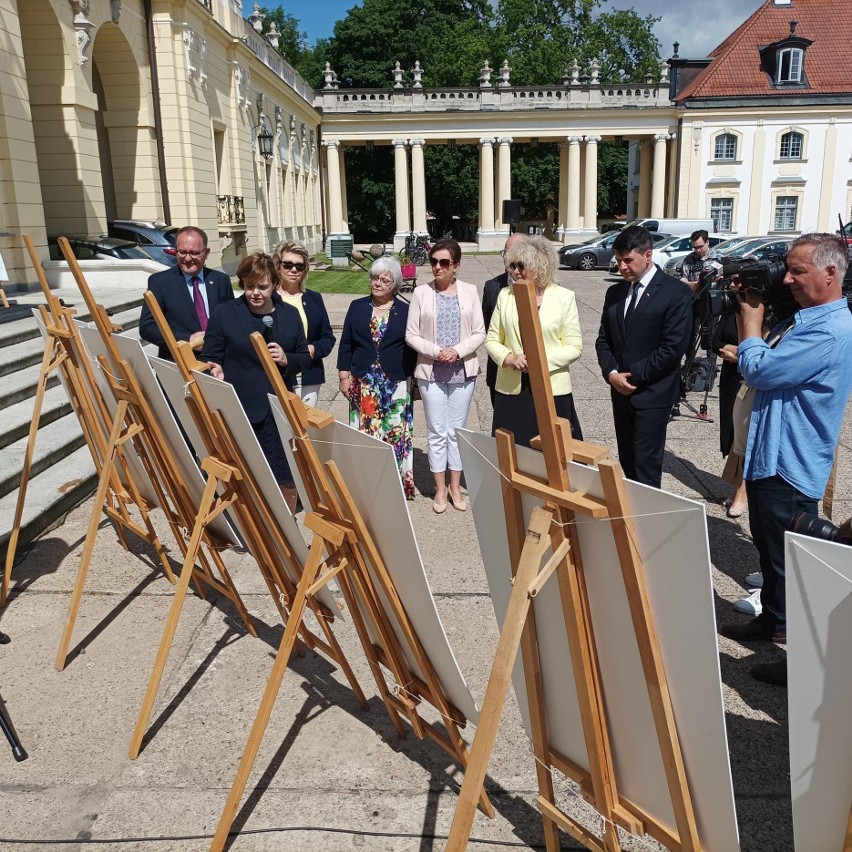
(812,526)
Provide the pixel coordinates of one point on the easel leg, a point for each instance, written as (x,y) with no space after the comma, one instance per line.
(273,685)
(91,535)
(12,546)
(498,685)
(174,615)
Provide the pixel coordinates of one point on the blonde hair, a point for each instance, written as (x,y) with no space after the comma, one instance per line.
(291,247)
(538,256)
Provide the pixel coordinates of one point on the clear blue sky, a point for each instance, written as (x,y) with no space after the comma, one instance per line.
(317,17)
(697,25)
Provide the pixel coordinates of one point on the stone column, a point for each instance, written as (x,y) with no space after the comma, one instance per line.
(335,199)
(486,185)
(400,161)
(590,206)
(644,179)
(573,223)
(504,180)
(418,186)
(562,201)
(658,192)
(344,201)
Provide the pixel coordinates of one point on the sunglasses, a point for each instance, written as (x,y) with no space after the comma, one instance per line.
(288,265)
(443,262)
(517,267)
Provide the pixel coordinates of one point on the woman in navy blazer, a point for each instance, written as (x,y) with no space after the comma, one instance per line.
(375,366)
(291,261)
(231,356)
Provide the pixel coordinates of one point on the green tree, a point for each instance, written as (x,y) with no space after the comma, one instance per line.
(293,45)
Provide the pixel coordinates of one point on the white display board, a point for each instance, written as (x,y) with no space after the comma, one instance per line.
(130,349)
(819,674)
(220,396)
(671,535)
(368,467)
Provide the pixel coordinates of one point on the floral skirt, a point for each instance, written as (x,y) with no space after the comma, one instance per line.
(382,408)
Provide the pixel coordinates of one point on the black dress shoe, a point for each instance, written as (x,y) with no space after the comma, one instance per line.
(774,673)
(755,630)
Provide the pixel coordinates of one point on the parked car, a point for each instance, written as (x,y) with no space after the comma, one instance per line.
(756,248)
(847,230)
(674,248)
(99,248)
(594,252)
(156,238)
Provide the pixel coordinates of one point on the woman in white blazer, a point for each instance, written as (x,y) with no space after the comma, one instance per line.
(445,327)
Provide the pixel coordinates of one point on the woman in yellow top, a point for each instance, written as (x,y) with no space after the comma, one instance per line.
(534,260)
(291,262)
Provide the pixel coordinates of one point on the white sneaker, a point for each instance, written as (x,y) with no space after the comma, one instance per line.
(754,581)
(750,605)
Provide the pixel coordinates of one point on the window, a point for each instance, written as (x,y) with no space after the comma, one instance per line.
(722,214)
(786,208)
(788,68)
(791,146)
(726,147)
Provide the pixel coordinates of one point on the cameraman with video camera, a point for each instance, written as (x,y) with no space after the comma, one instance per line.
(699,260)
(802,375)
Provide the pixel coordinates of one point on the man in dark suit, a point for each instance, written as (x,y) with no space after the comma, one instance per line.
(187,294)
(489,301)
(645,330)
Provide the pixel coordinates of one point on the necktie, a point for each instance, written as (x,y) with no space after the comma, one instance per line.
(632,306)
(199,303)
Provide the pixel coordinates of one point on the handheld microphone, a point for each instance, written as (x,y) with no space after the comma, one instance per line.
(268,322)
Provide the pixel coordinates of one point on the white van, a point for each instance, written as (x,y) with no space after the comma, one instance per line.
(676,227)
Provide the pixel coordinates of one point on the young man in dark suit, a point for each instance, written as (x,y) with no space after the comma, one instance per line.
(645,330)
(187,294)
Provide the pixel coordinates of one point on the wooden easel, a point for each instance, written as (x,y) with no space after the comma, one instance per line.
(135,416)
(355,562)
(550,527)
(65,353)
(231,487)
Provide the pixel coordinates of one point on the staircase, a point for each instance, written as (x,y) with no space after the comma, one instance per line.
(62,473)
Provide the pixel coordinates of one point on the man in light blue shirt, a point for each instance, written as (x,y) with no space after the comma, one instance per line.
(802,375)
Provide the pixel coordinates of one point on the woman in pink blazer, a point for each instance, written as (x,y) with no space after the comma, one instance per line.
(445,327)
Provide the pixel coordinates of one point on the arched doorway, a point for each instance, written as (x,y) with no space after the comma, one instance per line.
(116,84)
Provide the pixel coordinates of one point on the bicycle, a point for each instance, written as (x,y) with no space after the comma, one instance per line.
(417,248)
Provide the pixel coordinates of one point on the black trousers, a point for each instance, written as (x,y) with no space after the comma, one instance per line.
(641,437)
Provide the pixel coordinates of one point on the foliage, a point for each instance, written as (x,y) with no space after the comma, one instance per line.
(452,185)
(535,178)
(612,177)
(370,191)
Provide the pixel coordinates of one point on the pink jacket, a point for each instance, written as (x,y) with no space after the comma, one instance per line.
(420,331)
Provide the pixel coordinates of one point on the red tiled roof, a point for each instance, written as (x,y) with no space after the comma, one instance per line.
(735,69)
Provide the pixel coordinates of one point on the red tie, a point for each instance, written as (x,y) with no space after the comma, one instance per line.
(199,303)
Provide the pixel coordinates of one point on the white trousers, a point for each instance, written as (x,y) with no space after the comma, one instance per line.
(309,394)
(446,406)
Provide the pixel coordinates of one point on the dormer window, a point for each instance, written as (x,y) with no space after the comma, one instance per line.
(789,65)
(783,61)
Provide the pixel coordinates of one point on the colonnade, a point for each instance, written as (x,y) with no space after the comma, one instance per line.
(577,191)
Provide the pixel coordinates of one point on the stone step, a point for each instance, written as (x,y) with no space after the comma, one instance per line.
(50,495)
(54,443)
(17,417)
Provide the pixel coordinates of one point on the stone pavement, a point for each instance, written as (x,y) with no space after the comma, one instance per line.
(328,776)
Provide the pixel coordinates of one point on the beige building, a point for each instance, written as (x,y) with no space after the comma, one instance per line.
(181,110)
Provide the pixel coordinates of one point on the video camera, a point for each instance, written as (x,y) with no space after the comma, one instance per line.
(766,277)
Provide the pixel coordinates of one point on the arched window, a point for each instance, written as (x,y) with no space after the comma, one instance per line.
(726,147)
(791,146)
(788,68)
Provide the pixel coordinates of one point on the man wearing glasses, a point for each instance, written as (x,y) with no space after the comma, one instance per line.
(187,294)
(698,260)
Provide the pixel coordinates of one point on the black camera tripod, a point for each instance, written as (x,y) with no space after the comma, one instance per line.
(8,729)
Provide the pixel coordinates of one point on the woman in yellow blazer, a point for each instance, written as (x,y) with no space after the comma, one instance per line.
(533,259)
(445,327)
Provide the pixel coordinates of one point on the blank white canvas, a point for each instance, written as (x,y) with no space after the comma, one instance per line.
(140,476)
(368,467)
(130,349)
(819,672)
(672,541)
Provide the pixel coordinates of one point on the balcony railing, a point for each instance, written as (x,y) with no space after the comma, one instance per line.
(230,210)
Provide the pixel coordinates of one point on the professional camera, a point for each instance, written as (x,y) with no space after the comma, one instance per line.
(811,525)
(765,277)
